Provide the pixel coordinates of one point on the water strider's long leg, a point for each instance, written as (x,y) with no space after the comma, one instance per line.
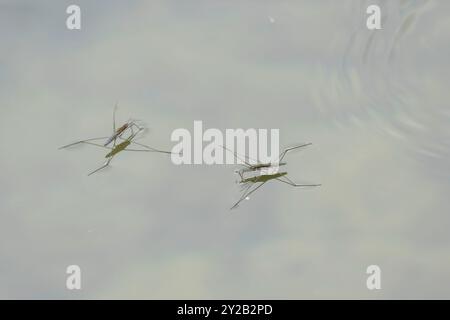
(113,136)
(132,124)
(149,149)
(114,126)
(114,119)
(241,158)
(290,149)
(103,166)
(292,183)
(83,141)
(240,173)
(246,194)
(243,196)
(98,145)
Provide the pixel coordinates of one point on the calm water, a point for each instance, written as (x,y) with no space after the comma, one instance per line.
(373,103)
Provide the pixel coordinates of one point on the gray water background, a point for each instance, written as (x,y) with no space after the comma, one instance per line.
(374,104)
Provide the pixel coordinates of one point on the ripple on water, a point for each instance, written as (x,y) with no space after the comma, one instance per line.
(386,78)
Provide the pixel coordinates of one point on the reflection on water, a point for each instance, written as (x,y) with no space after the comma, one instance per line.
(388,78)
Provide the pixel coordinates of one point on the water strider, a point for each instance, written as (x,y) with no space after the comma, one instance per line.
(119,142)
(265,172)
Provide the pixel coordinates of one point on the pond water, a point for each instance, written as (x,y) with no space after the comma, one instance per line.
(373,103)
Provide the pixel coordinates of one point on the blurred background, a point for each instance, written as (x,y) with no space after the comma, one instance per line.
(373,103)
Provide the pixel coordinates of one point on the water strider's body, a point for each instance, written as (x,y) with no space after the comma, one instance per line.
(260,166)
(123,145)
(118,133)
(263,177)
(118,148)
